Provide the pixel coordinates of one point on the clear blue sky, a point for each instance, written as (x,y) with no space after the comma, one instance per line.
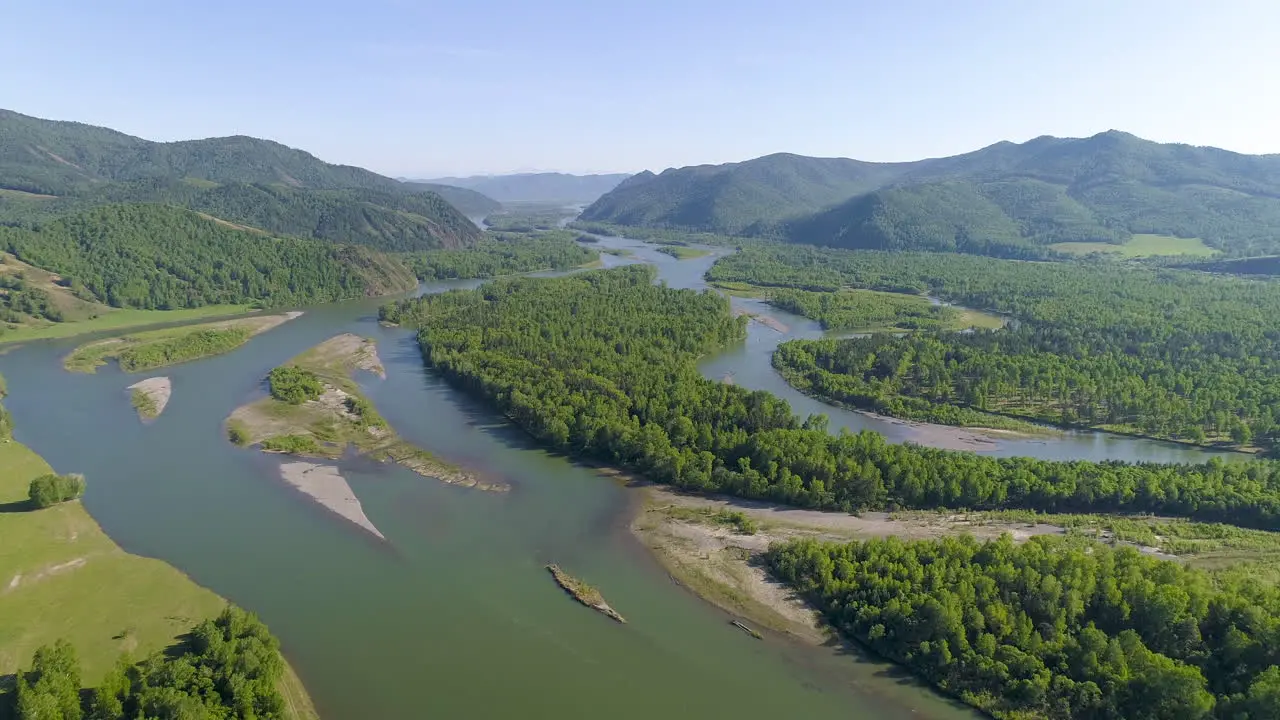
(423,87)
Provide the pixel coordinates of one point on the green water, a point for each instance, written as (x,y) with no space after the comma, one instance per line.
(454,615)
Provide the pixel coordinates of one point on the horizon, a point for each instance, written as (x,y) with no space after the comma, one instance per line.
(497,88)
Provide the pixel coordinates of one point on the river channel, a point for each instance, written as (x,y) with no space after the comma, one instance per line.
(452,616)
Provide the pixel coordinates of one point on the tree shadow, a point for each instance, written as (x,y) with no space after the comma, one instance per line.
(17,506)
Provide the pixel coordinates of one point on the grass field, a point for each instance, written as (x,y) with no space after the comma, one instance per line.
(1141,246)
(117,319)
(62,577)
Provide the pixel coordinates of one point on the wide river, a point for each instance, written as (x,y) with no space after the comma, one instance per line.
(454,615)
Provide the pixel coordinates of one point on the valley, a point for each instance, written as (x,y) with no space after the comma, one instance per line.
(834,437)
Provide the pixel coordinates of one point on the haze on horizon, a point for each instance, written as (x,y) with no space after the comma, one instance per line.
(425,89)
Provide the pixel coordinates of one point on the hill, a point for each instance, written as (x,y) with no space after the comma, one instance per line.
(469,202)
(1011,199)
(538,187)
(153,257)
(48,168)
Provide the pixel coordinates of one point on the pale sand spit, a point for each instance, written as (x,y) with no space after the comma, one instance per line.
(325,485)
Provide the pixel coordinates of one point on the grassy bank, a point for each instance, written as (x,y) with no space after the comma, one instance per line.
(61,577)
(143,351)
(682,252)
(118,319)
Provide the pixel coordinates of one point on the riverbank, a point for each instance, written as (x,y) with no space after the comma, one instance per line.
(140,352)
(714,546)
(62,577)
(339,417)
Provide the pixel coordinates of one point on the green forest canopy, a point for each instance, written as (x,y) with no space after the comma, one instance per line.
(1160,352)
(604,364)
(1054,627)
(158,257)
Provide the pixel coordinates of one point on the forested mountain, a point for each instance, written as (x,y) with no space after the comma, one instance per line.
(243,180)
(469,202)
(156,257)
(1006,199)
(538,187)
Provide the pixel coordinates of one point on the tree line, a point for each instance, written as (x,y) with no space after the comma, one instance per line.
(228,667)
(859,310)
(1054,627)
(503,253)
(604,364)
(1157,351)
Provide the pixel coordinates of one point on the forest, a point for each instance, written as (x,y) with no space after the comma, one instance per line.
(1158,352)
(503,253)
(20,300)
(603,364)
(162,258)
(865,310)
(227,667)
(1053,627)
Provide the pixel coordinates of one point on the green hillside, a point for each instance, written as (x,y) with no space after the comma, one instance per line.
(51,168)
(154,257)
(1006,199)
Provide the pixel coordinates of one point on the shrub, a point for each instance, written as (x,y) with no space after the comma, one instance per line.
(48,490)
(294,385)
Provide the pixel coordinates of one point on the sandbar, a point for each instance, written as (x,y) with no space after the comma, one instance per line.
(158,390)
(325,485)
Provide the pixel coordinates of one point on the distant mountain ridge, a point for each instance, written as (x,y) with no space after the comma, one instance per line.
(244,180)
(537,187)
(1006,199)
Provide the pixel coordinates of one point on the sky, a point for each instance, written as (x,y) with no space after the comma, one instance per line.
(422,88)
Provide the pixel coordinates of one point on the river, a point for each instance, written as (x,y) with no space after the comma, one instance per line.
(454,615)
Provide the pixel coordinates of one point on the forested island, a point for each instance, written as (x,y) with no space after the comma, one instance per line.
(1157,352)
(610,373)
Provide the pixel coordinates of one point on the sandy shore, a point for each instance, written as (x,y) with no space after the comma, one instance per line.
(325,485)
(771,323)
(158,390)
(726,567)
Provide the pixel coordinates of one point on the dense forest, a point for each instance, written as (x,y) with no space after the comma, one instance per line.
(158,257)
(864,310)
(503,253)
(1055,627)
(59,168)
(228,667)
(604,364)
(1159,352)
(1009,200)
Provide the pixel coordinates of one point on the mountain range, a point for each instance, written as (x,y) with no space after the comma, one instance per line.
(1006,199)
(537,187)
(50,168)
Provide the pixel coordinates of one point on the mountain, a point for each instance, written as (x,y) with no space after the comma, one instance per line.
(239,179)
(1006,199)
(469,202)
(538,187)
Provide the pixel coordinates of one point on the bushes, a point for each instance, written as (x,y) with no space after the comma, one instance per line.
(227,668)
(49,490)
(293,445)
(294,385)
